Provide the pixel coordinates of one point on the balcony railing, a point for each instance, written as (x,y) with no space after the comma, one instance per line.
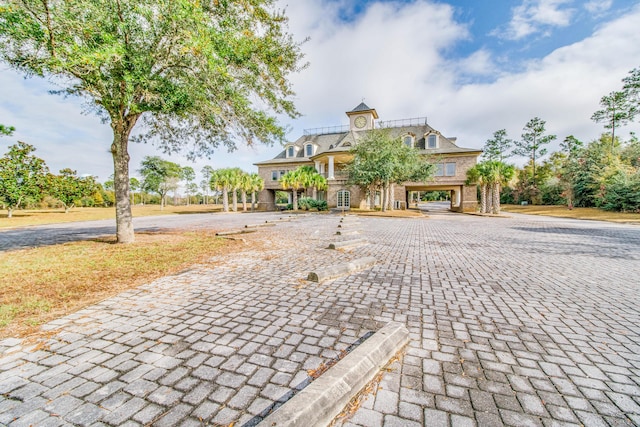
(337,175)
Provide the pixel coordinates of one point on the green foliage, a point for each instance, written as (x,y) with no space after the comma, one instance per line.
(498,147)
(22,176)
(6,130)
(309,203)
(302,178)
(159,176)
(226,179)
(616,111)
(68,188)
(622,193)
(631,90)
(532,142)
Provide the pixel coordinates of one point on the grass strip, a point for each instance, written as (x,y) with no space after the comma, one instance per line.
(44,283)
(576,213)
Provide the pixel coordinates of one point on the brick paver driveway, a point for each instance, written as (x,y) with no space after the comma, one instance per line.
(513,321)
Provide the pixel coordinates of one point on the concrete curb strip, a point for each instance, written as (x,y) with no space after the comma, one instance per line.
(346,243)
(338,270)
(229,232)
(268,224)
(320,402)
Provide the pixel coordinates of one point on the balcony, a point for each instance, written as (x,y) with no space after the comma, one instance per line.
(337,175)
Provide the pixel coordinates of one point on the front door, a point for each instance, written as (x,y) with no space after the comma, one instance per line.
(344,199)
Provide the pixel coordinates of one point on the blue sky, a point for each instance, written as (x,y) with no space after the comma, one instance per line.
(471,66)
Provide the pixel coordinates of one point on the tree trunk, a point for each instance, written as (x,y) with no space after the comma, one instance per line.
(295,200)
(372,197)
(489,206)
(496,199)
(253,201)
(384,195)
(122,127)
(483,198)
(244,201)
(235,200)
(9,212)
(392,196)
(225,199)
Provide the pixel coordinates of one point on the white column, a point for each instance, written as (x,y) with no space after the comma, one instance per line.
(330,175)
(318,166)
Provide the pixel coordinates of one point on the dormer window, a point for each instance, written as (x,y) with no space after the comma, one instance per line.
(432,141)
(291,151)
(408,140)
(308,150)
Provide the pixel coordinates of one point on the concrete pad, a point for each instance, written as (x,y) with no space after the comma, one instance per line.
(346,243)
(335,271)
(320,402)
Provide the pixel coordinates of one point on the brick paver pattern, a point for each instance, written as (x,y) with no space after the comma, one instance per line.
(513,321)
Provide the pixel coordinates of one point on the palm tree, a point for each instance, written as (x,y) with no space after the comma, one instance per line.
(245,187)
(478,175)
(293,180)
(499,173)
(226,179)
(257,184)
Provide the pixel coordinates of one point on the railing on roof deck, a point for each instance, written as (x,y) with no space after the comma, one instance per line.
(414,121)
(326,130)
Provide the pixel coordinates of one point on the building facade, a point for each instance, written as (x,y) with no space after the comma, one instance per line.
(328,150)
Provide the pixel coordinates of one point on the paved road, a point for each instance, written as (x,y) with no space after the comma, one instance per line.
(513,321)
(53,234)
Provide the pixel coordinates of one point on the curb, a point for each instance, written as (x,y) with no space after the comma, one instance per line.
(346,243)
(320,402)
(267,224)
(227,233)
(338,270)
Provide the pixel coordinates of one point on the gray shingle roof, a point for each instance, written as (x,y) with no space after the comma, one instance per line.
(343,141)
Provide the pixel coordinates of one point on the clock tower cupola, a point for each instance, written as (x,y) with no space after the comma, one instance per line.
(362,117)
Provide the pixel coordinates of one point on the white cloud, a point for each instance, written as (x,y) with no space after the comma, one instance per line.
(534,16)
(597,7)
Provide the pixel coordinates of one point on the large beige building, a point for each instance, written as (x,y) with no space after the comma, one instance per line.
(328,150)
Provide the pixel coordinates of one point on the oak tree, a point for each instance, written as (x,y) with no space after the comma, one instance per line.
(198,74)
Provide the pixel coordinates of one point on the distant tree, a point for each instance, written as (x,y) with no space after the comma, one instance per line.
(498,148)
(616,111)
(631,90)
(257,184)
(205,184)
(532,142)
(188,175)
(68,188)
(570,151)
(134,185)
(6,130)
(159,176)
(198,73)
(22,175)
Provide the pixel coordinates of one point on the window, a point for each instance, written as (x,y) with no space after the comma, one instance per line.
(408,141)
(308,150)
(450,169)
(439,169)
(432,141)
(344,199)
(274,175)
(290,151)
(282,173)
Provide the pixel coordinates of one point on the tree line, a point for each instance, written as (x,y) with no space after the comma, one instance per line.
(603,173)
(25,180)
